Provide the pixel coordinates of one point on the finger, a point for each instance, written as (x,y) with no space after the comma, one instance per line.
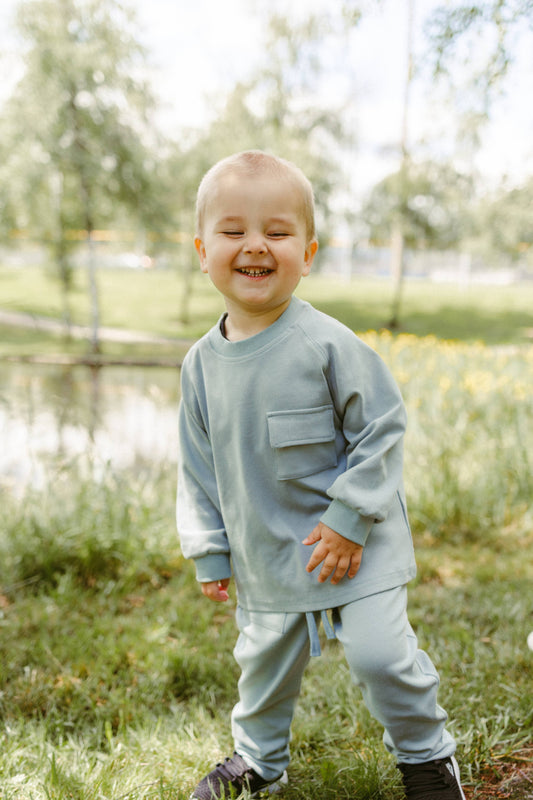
(354,569)
(223,591)
(313,537)
(355,563)
(318,555)
(340,572)
(215,591)
(329,566)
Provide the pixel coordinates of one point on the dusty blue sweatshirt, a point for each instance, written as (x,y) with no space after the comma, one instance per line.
(298,424)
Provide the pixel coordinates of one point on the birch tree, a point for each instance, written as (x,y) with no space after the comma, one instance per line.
(78,125)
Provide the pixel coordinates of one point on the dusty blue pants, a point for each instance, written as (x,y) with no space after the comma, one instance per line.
(398,681)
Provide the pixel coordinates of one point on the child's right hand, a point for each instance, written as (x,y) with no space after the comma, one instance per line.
(216,590)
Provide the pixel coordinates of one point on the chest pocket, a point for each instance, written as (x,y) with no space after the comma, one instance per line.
(303,441)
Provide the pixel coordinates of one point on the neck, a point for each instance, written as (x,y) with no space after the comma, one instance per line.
(239,325)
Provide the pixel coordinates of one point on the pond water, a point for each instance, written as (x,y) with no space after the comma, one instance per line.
(55,416)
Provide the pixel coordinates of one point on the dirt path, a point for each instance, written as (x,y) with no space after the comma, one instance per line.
(30,321)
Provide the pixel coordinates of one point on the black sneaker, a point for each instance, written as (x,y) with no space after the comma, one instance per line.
(230,779)
(432,780)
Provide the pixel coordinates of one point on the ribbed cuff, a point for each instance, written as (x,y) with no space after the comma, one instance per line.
(213,567)
(348,522)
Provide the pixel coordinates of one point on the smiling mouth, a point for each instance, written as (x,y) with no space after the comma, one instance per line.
(254,272)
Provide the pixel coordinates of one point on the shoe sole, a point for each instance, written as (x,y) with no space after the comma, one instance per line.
(457,776)
(273,788)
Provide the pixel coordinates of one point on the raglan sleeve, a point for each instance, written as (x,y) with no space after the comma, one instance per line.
(373,420)
(199,520)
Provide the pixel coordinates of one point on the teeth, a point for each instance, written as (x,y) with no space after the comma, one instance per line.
(254,273)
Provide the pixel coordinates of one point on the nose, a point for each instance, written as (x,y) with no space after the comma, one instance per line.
(255,243)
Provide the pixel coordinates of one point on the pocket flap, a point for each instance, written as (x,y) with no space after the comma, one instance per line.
(301,426)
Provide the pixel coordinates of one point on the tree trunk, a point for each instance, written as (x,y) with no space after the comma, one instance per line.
(60,253)
(65,280)
(188,270)
(91,268)
(87,205)
(93,292)
(397,269)
(397,233)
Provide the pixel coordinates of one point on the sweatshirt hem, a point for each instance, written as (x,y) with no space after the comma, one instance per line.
(333,599)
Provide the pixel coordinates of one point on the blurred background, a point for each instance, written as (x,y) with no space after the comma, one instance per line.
(411,118)
(414,121)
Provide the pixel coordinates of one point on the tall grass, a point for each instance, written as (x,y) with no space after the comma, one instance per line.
(117,678)
(469,458)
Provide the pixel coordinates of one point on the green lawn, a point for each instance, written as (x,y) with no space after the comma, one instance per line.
(116,675)
(152,302)
(118,680)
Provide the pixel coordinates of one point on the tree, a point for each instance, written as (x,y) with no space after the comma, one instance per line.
(494,21)
(433,200)
(78,125)
(398,211)
(277,110)
(401,208)
(476,39)
(284,108)
(502,224)
(482,37)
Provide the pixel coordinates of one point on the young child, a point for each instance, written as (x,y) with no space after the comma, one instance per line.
(290,479)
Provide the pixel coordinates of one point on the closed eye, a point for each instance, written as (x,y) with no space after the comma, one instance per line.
(278,235)
(233,233)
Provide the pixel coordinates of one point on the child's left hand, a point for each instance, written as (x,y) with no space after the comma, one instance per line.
(340,555)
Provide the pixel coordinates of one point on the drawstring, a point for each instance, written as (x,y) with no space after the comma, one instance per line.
(330,633)
(313,619)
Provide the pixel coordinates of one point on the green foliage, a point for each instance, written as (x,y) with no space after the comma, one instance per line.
(276,109)
(502,224)
(80,147)
(482,398)
(448,27)
(431,201)
(82,533)
(471,48)
(75,128)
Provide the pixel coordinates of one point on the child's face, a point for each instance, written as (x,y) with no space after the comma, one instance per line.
(254,245)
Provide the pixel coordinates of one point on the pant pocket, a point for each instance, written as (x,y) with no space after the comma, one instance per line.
(275,621)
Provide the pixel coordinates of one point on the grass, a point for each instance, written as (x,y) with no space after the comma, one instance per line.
(151,302)
(117,677)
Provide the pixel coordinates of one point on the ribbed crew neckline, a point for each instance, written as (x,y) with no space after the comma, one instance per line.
(258,341)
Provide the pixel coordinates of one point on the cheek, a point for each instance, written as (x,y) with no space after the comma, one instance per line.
(223,252)
(298,260)
(214,258)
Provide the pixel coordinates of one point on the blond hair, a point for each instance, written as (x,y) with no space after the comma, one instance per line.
(254,162)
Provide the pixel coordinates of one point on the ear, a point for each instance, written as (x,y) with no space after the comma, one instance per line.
(310,253)
(202,255)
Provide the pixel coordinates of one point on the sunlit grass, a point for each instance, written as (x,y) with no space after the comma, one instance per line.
(490,314)
(152,302)
(117,677)
(469,455)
